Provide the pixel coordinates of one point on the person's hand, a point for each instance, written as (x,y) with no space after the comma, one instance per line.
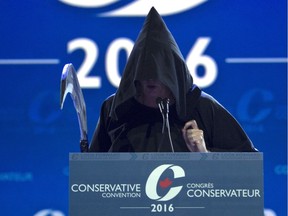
(194,137)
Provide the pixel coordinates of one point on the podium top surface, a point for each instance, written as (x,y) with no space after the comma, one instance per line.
(167,156)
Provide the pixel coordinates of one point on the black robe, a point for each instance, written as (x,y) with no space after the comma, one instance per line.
(127,126)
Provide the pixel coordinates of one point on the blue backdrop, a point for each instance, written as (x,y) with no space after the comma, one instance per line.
(235,50)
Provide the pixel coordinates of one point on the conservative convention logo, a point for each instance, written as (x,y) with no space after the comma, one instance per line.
(163,188)
(116,8)
(154,181)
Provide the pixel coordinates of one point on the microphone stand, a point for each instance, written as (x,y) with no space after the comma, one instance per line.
(163,105)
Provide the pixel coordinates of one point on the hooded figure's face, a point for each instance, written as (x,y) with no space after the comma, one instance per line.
(151,89)
(155,56)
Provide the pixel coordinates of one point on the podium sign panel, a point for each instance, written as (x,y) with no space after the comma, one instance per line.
(139,184)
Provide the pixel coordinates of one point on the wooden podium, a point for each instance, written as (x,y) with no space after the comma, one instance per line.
(171,184)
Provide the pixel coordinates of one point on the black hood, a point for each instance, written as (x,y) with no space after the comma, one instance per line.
(155,55)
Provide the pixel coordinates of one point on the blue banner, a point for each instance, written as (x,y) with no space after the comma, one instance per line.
(235,50)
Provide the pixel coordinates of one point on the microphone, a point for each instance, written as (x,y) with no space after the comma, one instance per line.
(163,105)
(159,102)
(166,102)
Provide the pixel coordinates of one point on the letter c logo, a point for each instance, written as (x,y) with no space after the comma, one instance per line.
(154,177)
(261,98)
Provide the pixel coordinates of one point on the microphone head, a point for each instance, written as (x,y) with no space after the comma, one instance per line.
(166,100)
(159,100)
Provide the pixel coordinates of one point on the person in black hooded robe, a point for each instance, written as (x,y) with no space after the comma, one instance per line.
(157,108)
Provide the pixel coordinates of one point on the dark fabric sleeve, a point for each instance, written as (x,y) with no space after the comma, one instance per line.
(222,132)
(101,141)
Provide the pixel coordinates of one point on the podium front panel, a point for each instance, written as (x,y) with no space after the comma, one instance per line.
(130,184)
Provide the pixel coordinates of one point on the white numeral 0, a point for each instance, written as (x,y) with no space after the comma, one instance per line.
(112,59)
(91,55)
